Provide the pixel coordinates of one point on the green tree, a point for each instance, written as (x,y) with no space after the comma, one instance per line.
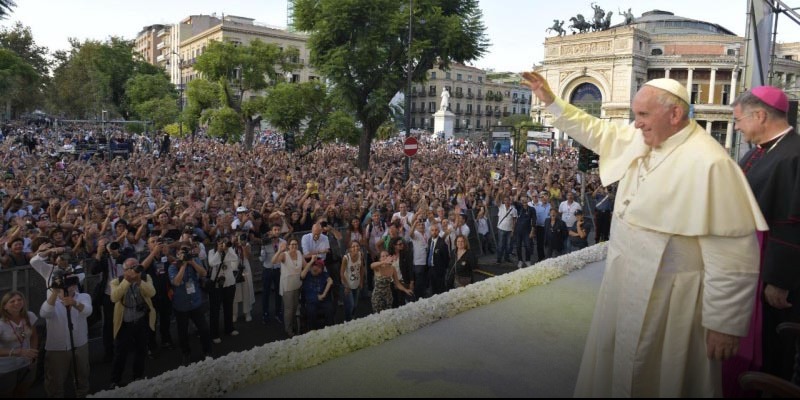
(153,98)
(243,72)
(361,46)
(19,40)
(16,77)
(223,123)
(308,110)
(200,95)
(5,7)
(92,76)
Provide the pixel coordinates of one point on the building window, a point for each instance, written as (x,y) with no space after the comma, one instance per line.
(480,79)
(656,52)
(413,122)
(413,107)
(588,98)
(458,77)
(469,107)
(432,90)
(469,78)
(458,107)
(695,93)
(433,74)
(514,110)
(446,75)
(732,52)
(431,106)
(726,90)
(478,123)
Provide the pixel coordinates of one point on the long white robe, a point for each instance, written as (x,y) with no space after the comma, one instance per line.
(683,258)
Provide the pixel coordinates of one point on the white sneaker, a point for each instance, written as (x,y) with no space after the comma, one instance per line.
(247,317)
(217,341)
(234,333)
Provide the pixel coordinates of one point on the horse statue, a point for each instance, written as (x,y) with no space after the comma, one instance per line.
(628,16)
(579,24)
(557,27)
(607,20)
(599,14)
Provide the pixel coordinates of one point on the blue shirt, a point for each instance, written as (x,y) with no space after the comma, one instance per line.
(542,213)
(315,285)
(182,299)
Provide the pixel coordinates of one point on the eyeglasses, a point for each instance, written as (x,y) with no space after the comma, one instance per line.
(132,267)
(739,120)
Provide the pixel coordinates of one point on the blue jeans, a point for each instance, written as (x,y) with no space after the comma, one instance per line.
(504,248)
(271,278)
(350,302)
(523,241)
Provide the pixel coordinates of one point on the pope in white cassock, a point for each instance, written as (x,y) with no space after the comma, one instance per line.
(682,261)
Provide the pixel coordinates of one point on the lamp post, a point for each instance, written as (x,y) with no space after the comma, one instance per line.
(409,73)
(180,94)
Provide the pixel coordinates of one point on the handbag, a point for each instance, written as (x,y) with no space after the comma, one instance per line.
(210,284)
(239,274)
(450,277)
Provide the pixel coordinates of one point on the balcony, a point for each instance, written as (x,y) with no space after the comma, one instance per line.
(468,112)
(161,58)
(515,100)
(458,112)
(162,32)
(160,45)
(498,98)
(479,96)
(506,114)
(432,93)
(413,94)
(497,113)
(459,95)
(478,113)
(470,96)
(422,94)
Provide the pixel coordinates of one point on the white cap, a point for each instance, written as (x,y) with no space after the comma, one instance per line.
(672,86)
(241,209)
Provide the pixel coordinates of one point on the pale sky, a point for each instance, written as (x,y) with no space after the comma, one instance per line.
(516,28)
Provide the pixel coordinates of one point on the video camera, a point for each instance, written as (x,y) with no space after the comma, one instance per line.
(63,278)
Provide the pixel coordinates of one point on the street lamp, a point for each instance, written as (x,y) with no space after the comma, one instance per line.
(180,92)
(409,75)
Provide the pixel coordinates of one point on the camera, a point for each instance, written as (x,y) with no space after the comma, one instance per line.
(242,237)
(185,254)
(114,246)
(138,269)
(323,224)
(63,278)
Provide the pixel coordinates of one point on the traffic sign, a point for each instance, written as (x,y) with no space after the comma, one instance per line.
(410,146)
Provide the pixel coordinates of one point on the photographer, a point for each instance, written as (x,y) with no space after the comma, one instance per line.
(184,275)
(134,319)
(108,262)
(156,264)
(223,261)
(67,345)
(45,252)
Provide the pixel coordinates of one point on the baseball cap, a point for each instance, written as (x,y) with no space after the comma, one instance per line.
(241,209)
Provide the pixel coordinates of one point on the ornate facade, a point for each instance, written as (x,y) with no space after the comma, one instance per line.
(602,71)
(477,101)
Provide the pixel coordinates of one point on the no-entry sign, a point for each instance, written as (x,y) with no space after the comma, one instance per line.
(410,146)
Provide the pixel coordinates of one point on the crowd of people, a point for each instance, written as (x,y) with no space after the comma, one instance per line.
(185,223)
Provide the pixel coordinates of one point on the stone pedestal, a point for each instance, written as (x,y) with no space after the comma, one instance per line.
(443,123)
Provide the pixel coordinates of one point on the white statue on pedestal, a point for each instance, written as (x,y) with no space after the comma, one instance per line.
(445,100)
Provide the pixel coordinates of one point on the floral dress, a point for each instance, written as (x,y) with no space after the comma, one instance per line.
(382,293)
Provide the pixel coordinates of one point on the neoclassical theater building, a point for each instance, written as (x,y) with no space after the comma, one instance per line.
(601,71)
